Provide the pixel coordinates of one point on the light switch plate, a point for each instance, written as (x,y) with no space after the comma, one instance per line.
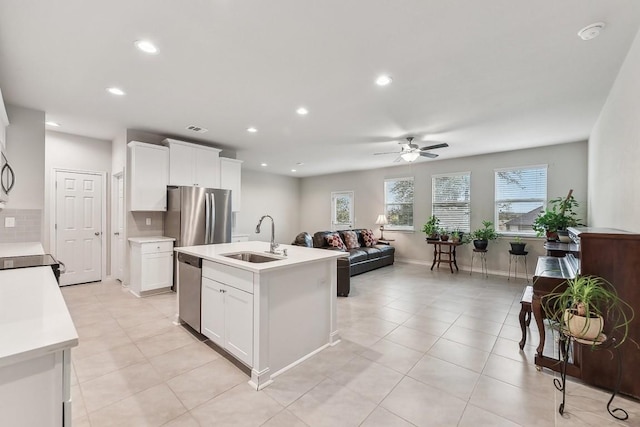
(9,222)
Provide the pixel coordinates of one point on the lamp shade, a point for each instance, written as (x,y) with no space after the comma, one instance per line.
(410,156)
(382,219)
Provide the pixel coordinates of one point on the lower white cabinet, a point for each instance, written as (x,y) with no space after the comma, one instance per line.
(227,318)
(151,264)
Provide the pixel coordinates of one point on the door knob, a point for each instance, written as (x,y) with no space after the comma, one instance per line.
(96,233)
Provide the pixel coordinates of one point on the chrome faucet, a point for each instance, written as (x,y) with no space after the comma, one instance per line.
(273,245)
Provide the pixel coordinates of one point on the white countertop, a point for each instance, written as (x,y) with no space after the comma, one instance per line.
(20,249)
(296,255)
(34,319)
(151,239)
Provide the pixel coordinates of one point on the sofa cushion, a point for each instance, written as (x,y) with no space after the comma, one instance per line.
(386,250)
(335,240)
(319,240)
(372,252)
(357,255)
(350,239)
(303,239)
(367,237)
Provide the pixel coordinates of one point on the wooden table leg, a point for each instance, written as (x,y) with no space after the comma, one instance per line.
(435,255)
(536,307)
(455,262)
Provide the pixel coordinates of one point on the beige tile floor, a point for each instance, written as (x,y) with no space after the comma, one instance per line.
(419,348)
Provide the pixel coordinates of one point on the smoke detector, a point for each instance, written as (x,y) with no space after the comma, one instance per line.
(591,31)
(197,129)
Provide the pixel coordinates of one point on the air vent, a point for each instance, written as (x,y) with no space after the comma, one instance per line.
(197,129)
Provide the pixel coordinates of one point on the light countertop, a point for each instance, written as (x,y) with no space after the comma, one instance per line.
(296,255)
(34,319)
(20,249)
(151,239)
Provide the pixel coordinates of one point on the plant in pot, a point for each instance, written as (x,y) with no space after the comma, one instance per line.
(517,245)
(558,216)
(455,237)
(482,235)
(430,228)
(581,306)
(444,235)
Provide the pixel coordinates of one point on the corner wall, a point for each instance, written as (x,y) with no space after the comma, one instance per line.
(614,152)
(567,168)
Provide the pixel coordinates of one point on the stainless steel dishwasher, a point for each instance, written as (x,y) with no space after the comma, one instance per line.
(189,289)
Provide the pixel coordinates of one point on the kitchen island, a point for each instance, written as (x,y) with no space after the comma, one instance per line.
(270,314)
(37,334)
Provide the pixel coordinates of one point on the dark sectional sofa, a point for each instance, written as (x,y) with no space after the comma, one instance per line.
(360,260)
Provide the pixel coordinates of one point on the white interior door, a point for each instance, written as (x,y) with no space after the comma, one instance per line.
(118,229)
(79,226)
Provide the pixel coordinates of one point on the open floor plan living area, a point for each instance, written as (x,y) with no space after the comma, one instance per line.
(299,213)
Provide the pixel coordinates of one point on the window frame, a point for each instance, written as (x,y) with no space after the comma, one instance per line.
(434,177)
(542,200)
(335,225)
(393,227)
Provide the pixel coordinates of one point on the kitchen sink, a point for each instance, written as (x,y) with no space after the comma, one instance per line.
(252,257)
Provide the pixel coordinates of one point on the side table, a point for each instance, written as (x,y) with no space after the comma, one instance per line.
(483,261)
(447,249)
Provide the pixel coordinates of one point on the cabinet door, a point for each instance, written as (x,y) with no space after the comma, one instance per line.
(230,179)
(181,165)
(212,320)
(207,168)
(239,324)
(149,177)
(157,270)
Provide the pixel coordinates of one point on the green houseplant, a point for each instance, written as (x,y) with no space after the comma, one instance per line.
(517,245)
(482,235)
(582,305)
(559,215)
(430,228)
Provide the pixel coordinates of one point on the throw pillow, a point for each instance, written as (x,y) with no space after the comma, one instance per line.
(368,239)
(351,239)
(335,241)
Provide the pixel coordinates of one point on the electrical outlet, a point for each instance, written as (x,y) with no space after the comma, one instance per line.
(148,221)
(9,222)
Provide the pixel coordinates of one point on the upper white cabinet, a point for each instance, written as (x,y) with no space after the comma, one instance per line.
(149,166)
(192,164)
(230,179)
(4,122)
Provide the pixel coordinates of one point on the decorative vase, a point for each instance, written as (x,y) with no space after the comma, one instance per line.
(552,236)
(587,328)
(444,237)
(517,248)
(481,245)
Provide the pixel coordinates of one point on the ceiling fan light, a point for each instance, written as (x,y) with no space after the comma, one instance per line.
(410,156)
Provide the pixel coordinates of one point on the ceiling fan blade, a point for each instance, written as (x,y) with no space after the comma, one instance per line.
(397,159)
(431,147)
(388,152)
(429,155)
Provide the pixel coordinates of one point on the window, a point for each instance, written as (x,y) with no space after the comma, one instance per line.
(521,194)
(341,210)
(398,203)
(451,201)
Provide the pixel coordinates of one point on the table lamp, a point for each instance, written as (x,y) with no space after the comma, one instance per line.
(381,221)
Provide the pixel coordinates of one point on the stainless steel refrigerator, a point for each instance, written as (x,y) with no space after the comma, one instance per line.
(195,216)
(198,216)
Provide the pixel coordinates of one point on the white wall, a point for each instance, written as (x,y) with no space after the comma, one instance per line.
(275,195)
(567,169)
(614,152)
(25,150)
(73,152)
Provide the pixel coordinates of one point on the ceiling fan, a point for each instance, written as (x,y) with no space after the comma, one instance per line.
(411,151)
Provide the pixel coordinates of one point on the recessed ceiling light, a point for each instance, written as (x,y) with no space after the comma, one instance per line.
(383,80)
(591,31)
(54,124)
(302,111)
(293,170)
(115,91)
(263,165)
(252,130)
(146,46)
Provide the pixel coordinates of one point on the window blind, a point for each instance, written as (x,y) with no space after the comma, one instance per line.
(520,195)
(451,200)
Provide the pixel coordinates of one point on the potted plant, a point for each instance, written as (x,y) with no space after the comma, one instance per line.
(517,246)
(444,235)
(482,235)
(558,216)
(455,237)
(581,306)
(430,228)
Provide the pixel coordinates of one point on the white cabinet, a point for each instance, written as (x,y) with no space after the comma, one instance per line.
(151,264)
(231,179)
(193,164)
(4,122)
(227,309)
(149,166)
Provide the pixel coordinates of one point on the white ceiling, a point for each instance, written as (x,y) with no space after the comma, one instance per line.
(483,76)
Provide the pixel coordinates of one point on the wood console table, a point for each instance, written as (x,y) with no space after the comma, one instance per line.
(447,249)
